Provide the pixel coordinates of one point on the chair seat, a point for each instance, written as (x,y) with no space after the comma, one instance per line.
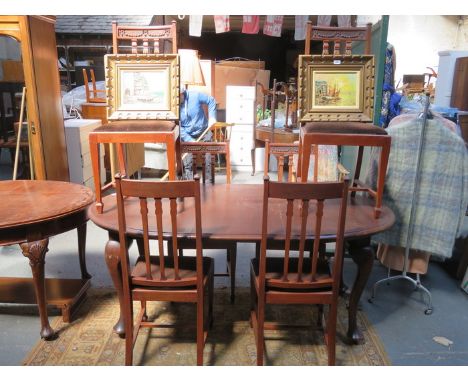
(274,273)
(187,272)
(136,126)
(343,127)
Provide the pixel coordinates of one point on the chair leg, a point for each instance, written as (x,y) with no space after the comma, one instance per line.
(331,333)
(260,334)
(211,299)
(128,319)
(143,307)
(232,260)
(200,331)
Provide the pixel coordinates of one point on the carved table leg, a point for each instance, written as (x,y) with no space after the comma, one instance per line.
(35,251)
(82,251)
(363,255)
(112,256)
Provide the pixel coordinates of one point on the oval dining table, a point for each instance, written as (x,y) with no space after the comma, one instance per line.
(31,212)
(233,212)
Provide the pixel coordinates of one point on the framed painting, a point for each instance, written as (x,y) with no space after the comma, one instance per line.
(142,86)
(336,88)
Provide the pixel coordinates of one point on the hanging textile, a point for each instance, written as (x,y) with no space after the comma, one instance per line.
(442,198)
(344,20)
(195,25)
(272,26)
(390,99)
(300,26)
(324,20)
(250,24)
(222,24)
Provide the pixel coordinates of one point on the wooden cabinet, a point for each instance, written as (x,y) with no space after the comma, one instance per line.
(36,35)
(79,158)
(460,84)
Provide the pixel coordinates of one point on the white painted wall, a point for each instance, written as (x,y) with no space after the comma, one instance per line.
(418,39)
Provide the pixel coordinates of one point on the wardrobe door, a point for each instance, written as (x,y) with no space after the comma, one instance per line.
(459,88)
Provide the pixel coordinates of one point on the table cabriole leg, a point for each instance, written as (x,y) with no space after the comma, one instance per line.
(112,257)
(363,255)
(82,251)
(35,251)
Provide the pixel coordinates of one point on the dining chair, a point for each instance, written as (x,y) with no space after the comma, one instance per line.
(337,36)
(343,132)
(219,145)
(123,133)
(298,280)
(159,277)
(357,134)
(93,95)
(143,39)
(281,151)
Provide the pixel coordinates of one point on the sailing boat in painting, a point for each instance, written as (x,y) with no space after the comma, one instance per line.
(327,94)
(336,89)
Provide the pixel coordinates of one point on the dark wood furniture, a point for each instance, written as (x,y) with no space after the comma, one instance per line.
(338,36)
(93,95)
(281,151)
(36,35)
(231,212)
(346,134)
(298,280)
(281,92)
(143,39)
(459,98)
(163,278)
(35,211)
(123,132)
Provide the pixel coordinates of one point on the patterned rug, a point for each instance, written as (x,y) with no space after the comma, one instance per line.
(89,339)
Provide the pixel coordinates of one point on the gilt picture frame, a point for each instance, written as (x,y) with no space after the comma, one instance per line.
(336,88)
(142,86)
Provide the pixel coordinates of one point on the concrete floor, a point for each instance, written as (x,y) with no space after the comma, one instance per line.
(397,312)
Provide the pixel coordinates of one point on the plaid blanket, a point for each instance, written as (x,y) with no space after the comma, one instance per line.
(443,190)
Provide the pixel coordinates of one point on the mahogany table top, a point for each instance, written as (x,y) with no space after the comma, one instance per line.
(233,212)
(33,201)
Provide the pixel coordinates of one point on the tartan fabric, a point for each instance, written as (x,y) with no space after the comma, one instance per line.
(443,190)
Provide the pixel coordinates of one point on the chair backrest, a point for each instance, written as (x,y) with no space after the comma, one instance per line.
(339,36)
(303,193)
(221,131)
(143,190)
(143,39)
(199,150)
(281,151)
(93,95)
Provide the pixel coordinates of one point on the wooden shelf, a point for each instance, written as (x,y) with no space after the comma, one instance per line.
(65,294)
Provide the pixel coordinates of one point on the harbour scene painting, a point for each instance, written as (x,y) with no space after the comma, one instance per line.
(336,89)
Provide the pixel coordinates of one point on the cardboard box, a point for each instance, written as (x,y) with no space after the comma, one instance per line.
(243,64)
(226,75)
